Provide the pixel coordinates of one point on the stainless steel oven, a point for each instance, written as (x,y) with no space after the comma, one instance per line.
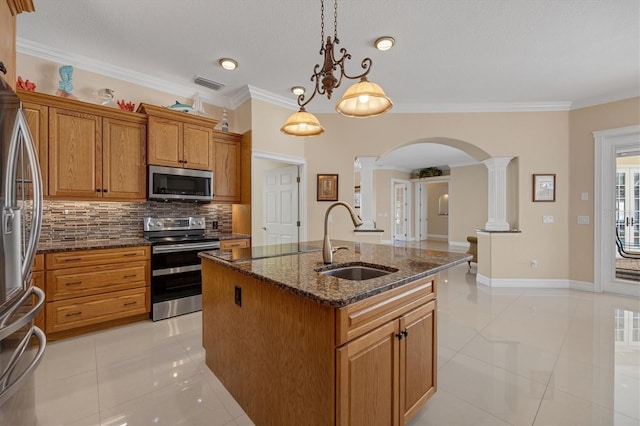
(176,280)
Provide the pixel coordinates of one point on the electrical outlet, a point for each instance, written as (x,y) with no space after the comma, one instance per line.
(547,219)
(534,264)
(584,196)
(238,295)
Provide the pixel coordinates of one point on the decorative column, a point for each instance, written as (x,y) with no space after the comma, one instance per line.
(366,192)
(497,198)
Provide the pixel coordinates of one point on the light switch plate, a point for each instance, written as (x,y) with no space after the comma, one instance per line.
(547,219)
(584,196)
(583,220)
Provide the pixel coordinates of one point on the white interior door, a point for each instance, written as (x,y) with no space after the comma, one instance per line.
(400,210)
(281,210)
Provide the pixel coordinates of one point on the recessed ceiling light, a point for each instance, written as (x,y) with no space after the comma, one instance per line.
(385,43)
(228,64)
(297,90)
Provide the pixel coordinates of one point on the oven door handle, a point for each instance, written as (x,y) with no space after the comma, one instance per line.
(175,248)
(176,270)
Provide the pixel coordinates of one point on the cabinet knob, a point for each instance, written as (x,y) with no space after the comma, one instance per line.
(98,190)
(105,190)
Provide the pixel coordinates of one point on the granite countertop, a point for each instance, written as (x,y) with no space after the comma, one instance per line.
(64,245)
(69,245)
(296,272)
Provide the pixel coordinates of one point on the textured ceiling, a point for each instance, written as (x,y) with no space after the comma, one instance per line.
(463,55)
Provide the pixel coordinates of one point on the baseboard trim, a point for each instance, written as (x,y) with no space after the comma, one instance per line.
(533,283)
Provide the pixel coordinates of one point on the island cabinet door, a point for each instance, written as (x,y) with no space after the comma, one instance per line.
(368,378)
(418,359)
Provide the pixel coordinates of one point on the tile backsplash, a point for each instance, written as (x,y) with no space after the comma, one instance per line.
(88,220)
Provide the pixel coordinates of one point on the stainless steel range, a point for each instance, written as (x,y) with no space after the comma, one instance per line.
(176,280)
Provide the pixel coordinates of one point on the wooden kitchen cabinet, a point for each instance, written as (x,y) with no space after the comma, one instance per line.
(37,116)
(8,43)
(37,279)
(369,362)
(93,289)
(236,243)
(124,160)
(402,352)
(227,167)
(177,139)
(75,169)
(87,151)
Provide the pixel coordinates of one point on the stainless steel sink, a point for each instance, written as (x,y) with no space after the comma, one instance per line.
(357,272)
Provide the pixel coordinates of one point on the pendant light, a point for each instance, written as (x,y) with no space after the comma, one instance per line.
(363,99)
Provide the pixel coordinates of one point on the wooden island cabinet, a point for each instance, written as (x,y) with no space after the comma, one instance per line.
(294,346)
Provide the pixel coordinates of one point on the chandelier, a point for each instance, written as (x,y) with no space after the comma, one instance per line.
(363,99)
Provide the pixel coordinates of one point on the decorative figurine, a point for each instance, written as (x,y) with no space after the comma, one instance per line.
(25,85)
(106,96)
(65,86)
(225,122)
(198,107)
(180,107)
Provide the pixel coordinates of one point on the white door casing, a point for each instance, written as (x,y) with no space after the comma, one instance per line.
(607,142)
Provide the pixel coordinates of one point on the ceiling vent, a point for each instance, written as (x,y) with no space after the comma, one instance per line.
(213,85)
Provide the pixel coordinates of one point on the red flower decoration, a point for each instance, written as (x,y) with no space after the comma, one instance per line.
(25,85)
(128,106)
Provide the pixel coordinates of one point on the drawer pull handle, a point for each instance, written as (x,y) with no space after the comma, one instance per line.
(130,303)
(130,254)
(74,283)
(72,314)
(131,276)
(73,259)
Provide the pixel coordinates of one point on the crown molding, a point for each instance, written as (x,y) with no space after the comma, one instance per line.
(605,99)
(53,54)
(234,100)
(463,107)
(263,95)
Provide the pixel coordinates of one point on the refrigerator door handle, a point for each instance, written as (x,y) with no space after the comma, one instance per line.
(21,128)
(8,330)
(8,389)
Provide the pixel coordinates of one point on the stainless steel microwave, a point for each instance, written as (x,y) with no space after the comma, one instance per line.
(173,183)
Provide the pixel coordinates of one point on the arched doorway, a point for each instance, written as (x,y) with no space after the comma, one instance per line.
(467,195)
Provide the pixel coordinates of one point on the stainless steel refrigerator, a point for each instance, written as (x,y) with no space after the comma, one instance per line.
(21,342)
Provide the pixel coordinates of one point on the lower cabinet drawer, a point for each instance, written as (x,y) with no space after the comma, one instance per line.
(229,244)
(78,282)
(81,311)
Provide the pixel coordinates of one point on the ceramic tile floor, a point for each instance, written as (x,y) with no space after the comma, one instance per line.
(505,356)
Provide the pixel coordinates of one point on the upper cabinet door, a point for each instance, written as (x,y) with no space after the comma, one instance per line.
(165,142)
(38,120)
(198,147)
(8,43)
(75,158)
(227,169)
(124,159)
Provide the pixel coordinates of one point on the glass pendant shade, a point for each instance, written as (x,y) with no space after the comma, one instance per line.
(364,99)
(302,124)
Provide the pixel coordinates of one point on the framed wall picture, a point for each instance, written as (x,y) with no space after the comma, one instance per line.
(544,187)
(327,187)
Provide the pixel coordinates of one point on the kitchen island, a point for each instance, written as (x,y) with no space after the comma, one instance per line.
(294,345)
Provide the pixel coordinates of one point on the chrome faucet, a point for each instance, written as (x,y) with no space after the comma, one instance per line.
(327,250)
